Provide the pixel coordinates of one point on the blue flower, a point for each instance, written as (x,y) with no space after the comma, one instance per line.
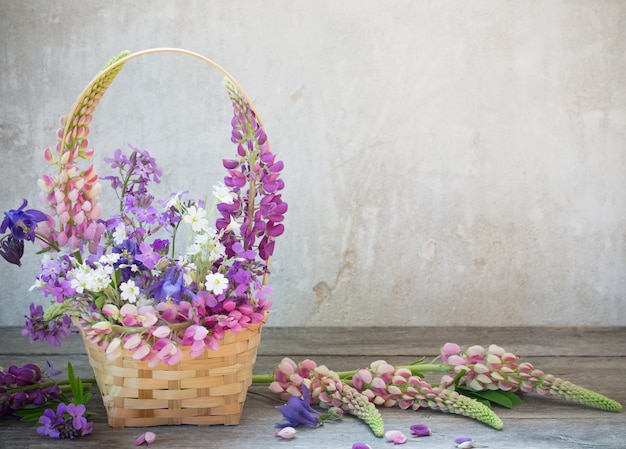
(172,286)
(12,250)
(22,223)
(297,411)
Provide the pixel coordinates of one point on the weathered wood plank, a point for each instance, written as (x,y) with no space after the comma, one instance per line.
(411,341)
(593,358)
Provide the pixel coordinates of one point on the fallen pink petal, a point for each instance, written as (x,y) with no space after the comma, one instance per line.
(145,438)
(396,436)
(288,433)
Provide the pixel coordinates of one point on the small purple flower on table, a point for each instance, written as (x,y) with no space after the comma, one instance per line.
(298,411)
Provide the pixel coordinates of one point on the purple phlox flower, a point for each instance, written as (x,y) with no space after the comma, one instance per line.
(67,422)
(149,257)
(12,250)
(361,446)
(77,412)
(420,430)
(22,223)
(172,286)
(50,424)
(298,411)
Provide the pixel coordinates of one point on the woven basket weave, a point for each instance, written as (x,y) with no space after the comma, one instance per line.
(206,390)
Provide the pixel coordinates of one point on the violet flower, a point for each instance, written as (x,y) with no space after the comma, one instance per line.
(37,328)
(22,223)
(66,422)
(12,250)
(172,286)
(298,411)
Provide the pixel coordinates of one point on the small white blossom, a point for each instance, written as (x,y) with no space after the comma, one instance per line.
(196,217)
(130,291)
(119,235)
(194,249)
(224,194)
(216,283)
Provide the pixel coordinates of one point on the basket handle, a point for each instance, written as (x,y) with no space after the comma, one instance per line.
(73,140)
(80,115)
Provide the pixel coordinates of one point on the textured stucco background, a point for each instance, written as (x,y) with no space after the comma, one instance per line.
(447,163)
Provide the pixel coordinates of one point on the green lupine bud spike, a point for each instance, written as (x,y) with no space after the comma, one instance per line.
(114,59)
(463,405)
(354,402)
(555,386)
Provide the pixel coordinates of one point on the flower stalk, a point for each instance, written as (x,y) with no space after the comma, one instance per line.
(382,384)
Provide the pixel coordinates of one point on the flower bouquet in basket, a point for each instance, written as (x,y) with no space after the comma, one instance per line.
(169,304)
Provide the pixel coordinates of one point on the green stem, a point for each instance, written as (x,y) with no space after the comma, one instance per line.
(415,369)
(38,386)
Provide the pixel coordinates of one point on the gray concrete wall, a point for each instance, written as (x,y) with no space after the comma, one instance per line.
(447,163)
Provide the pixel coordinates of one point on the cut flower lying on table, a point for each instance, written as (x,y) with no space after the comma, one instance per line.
(471,381)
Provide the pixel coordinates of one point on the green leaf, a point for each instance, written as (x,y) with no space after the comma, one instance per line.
(502,398)
(418,361)
(100,301)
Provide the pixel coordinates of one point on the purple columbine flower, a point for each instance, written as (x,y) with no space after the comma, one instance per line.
(172,286)
(298,411)
(22,223)
(12,250)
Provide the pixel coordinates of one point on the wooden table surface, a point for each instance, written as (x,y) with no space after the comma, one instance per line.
(594,358)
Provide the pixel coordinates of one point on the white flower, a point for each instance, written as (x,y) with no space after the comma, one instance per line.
(224,194)
(194,249)
(216,283)
(119,235)
(196,217)
(129,291)
(174,201)
(217,252)
(233,225)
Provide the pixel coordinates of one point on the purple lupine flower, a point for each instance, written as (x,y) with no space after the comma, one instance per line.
(22,223)
(298,411)
(12,396)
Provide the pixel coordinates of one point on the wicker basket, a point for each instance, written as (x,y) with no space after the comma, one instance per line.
(206,390)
